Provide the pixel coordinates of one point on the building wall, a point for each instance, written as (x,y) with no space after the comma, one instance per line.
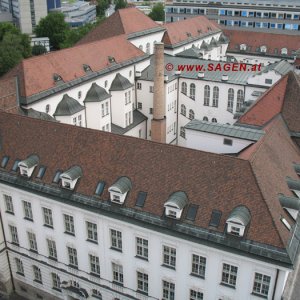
(77,119)
(139,131)
(180,276)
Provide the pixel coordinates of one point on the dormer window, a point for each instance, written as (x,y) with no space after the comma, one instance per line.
(284,51)
(86,68)
(57,77)
(119,190)
(294,185)
(238,220)
(243,47)
(70,177)
(263,49)
(175,205)
(27,166)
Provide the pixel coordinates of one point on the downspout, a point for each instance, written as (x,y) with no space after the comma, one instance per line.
(275,286)
(9,266)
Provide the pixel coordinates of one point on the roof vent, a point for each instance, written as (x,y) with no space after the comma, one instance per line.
(57,77)
(87,68)
(175,204)
(70,177)
(119,190)
(111,59)
(201,75)
(199,31)
(188,34)
(27,166)
(224,77)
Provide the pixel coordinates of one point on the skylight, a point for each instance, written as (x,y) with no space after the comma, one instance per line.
(215,218)
(192,212)
(4,161)
(100,188)
(41,172)
(56,177)
(16,165)
(141,198)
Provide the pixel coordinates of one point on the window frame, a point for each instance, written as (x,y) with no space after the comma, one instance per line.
(72,257)
(52,252)
(94,264)
(69,224)
(169,257)
(37,274)
(48,219)
(92,232)
(9,206)
(142,250)
(117,272)
(116,239)
(229,275)
(142,282)
(28,215)
(261,284)
(198,265)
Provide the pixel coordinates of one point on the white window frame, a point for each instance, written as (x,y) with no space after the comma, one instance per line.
(94,264)
(8,203)
(69,224)
(169,256)
(47,214)
(142,249)
(118,275)
(116,239)
(92,232)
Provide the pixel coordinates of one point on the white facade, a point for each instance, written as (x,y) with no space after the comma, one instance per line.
(125,255)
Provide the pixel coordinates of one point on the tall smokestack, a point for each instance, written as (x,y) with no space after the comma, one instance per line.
(158,123)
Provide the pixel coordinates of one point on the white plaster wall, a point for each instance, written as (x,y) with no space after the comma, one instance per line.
(212,142)
(210,286)
(260,78)
(69,119)
(136,130)
(149,38)
(94,117)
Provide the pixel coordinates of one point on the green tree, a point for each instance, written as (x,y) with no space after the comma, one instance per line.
(14,46)
(38,50)
(157,13)
(120,4)
(54,27)
(102,5)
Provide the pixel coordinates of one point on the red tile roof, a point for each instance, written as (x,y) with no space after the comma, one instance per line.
(211,181)
(123,21)
(282,98)
(178,32)
(8,95)
(36,74)
(257,39)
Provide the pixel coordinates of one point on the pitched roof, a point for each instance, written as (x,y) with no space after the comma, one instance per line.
(8,95)
(209,180)
(283,97)
(185,31)
(120,83)
(68,106)
(257,39)
(96,93)
(69,64)
(123,21)
(282,67)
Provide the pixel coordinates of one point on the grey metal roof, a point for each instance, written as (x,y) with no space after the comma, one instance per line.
(282,67)
(242,213)
(96,93)
(120,83)
(68,106)
(226,130)
(289,202)
(293,184)
(240,78)
(213,42)
(297,168)
(223,39)
(30,161)
(123,184)
(73,173)
(138,118)
(191,52)
(178,199)
(32,113)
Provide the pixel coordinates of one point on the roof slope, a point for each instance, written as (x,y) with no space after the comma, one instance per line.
(283,97)
(189,29)
(68,106)
(68,63)
(123,21)
(257,39)
(211,181)
(8,95)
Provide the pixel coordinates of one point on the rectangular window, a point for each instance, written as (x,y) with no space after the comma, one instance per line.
(168,290)
(92,234)
(117,273)
(140,105)
(102,110)
(142,248)
(142,282)
(169,256)
(227,142)
(8,204)
(261,284)
(27,210)
(19,265)
(139,86)
(55,281)
(116,239)
(32,241)
(14,234)
(198,265)
(268,81)
(69,224)
(94,264)
(106,108)
(37,274)
(194,295)
(126,98)
(150,110)
(72,253)
(75,121)
(107,127)
(79,120)
(52,249)
(48,221)
(151,89)
(229,275)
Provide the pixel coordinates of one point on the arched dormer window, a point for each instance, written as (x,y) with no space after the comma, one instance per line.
(191,114)
(284,51)
(70,177)
(184,88)
(192,91)
(215,97)
(183,110)
(175,204)
(27,165)
(263,49)
(238,220)
(205,119)
(120,189)
(214,120)
(243,47)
